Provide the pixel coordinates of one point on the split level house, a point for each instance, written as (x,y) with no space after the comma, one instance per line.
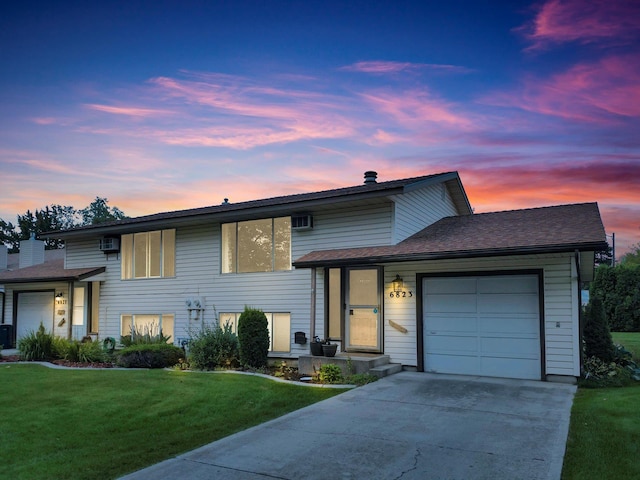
(402,268)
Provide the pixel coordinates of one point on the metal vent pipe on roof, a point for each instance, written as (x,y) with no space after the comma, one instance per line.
(370,177)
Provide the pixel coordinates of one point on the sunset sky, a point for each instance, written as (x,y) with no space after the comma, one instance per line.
(167,105)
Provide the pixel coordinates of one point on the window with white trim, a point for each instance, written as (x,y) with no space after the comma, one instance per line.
(278,324)
(256,245)
(151,324)
(148,254)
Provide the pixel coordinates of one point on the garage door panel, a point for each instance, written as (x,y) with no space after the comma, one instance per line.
(482,325)
(453,303)
(452,364)
(508,284)
(440,323)
(511,347)
(507,303)
(519,368)
(451,343)
(523,324)
(450,285)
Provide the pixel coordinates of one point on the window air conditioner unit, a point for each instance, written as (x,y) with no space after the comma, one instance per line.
(301,222)
(108,245)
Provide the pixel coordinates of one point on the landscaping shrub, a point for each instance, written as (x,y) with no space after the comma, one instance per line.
(253,335)
(214,347)
(144,335)
(597,337)
(330,373)
(37,346)
(149,356)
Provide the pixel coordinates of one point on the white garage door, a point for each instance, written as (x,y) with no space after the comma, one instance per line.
(33,308)
(485,325)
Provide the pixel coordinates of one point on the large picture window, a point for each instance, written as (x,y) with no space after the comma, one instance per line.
(151,324)
(148,254)
(278,324)
(256,246)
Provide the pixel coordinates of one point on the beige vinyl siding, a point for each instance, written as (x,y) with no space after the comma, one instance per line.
(345,227)
(560,305)
(420,208)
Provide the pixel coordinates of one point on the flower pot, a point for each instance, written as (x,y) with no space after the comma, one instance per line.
(330,350)
(316,349)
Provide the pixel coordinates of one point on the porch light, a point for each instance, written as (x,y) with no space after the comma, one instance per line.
(398,284)
(59,296)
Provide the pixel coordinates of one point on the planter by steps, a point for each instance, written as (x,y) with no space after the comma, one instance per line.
(316,349)
(330,350)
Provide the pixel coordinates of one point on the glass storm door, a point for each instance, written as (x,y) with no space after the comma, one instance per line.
(362,318)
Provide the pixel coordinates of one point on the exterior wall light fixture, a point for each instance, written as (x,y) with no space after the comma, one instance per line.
(398,284)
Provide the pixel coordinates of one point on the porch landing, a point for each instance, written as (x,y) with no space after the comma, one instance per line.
(350,363)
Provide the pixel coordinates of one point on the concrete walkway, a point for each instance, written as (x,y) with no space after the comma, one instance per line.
(409,425)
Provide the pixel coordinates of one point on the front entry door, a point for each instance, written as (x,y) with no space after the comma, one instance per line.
(363,329)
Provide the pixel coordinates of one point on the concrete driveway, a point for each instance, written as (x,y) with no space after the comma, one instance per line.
(409,426)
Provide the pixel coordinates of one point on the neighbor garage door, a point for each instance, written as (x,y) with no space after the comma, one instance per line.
(33,308)
(482,325)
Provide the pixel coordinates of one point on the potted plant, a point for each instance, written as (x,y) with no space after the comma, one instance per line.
(329,349)
(316,347)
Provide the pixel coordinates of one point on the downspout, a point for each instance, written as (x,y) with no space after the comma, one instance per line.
(312,323)
(2,319)
(580,316)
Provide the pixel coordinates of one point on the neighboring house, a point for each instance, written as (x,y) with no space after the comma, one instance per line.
(400,267)
(34,289)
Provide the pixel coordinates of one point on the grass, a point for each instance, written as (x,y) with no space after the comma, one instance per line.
(604,434)
(81,424)
(630,341)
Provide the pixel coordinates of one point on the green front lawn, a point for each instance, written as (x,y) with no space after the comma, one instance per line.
(82,424)
(604,435)
(630,341)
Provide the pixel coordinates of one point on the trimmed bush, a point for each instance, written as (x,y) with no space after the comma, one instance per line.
(214,347)
(597,337)
(253,335)
(37,346)
(330,373)
(149,356)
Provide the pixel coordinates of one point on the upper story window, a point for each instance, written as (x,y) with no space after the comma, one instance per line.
(148,254)
(256,245)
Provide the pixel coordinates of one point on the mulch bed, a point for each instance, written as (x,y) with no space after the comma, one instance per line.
(63,363)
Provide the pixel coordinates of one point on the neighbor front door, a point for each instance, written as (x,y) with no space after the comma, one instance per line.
(363,329)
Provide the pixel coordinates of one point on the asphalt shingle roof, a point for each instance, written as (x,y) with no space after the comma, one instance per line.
(534,230)
(52,270)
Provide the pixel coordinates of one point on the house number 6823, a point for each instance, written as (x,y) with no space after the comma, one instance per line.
(402,294)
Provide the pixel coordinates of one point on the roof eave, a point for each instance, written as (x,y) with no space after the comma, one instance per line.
(413,257)
(54,278)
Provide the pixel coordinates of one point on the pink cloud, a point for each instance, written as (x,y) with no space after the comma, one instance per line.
(382,67)
(593,92)
(129,111)
(592,21)
(412,108)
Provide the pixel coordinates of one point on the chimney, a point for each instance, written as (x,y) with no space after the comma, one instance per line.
(3,257)
(31,252)
(370,177)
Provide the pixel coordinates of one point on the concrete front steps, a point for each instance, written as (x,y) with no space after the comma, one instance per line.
(375,364)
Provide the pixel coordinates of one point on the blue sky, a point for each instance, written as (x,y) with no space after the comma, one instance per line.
(168,105)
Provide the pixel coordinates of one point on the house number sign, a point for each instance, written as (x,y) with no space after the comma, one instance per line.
(402,294)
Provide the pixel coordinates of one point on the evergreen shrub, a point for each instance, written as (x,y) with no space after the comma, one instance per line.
(253,335)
